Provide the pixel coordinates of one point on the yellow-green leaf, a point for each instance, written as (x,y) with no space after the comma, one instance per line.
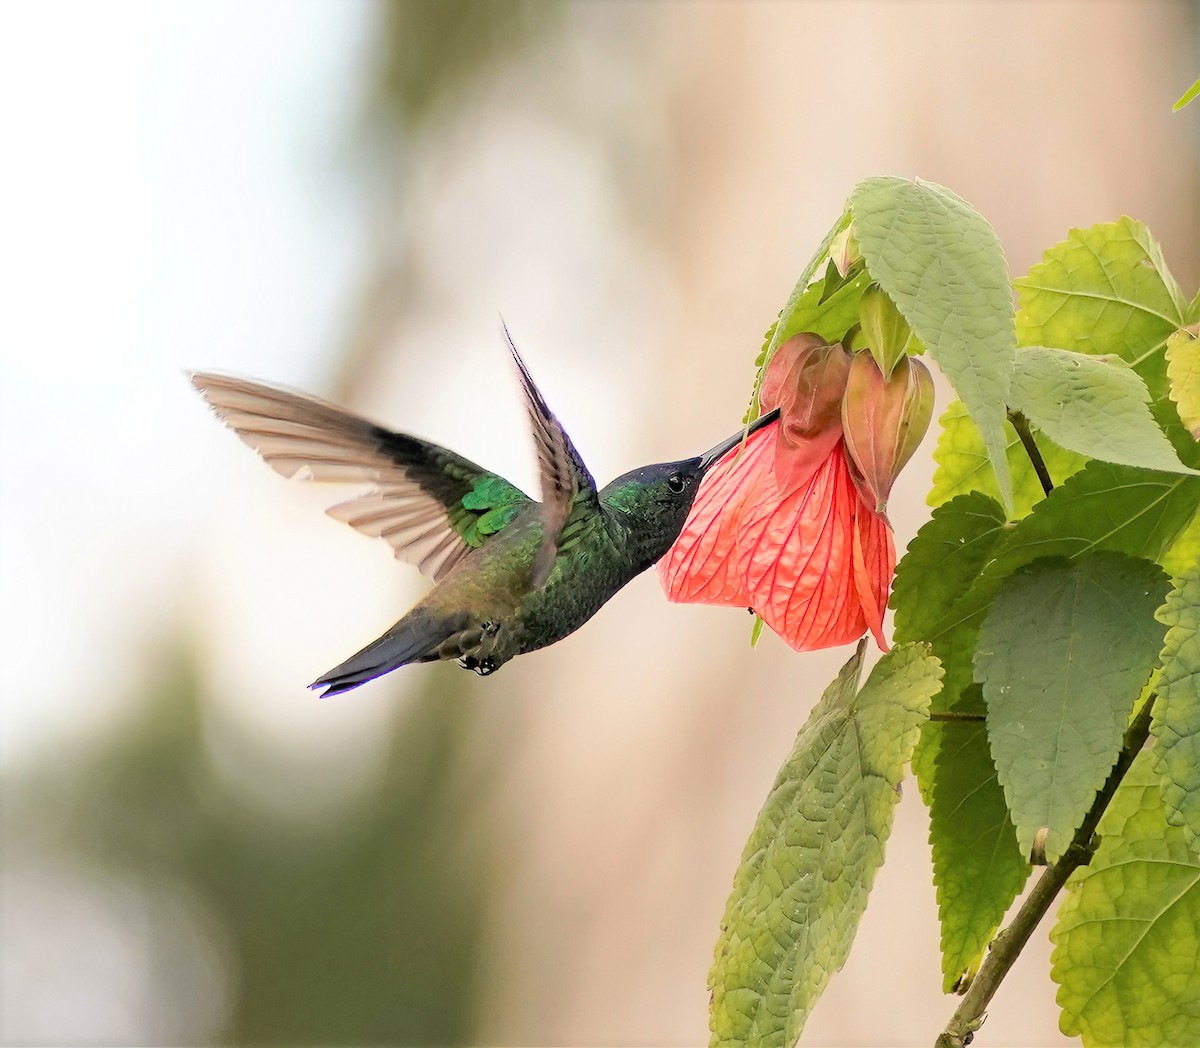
(1176,725)
(1183,554)
(812,856)
(1183,373)
(1189,95)
(1127,939)
(962,463)
(1102,507)
(1107,289)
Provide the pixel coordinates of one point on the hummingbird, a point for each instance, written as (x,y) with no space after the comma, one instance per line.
(511,574)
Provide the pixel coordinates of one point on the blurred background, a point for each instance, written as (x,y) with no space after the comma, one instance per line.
(342,197)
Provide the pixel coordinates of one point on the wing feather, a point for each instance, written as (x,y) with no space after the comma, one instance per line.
(565,479)
(415,501)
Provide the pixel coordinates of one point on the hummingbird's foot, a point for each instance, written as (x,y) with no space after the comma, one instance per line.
(476,647)
(482,666)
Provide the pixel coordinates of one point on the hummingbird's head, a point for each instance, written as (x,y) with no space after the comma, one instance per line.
(655,500)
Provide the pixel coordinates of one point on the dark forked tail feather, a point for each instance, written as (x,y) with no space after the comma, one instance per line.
(415,638)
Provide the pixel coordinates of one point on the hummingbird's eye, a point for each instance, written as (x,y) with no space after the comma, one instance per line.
(675,483)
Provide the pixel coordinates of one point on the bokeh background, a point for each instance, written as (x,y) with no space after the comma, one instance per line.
(343,196)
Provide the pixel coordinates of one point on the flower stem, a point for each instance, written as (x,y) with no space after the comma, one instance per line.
(1007,945)
(1021,424)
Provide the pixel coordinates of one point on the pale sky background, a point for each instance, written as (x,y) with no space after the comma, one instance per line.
(169,162)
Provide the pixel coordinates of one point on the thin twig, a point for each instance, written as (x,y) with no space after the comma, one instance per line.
(957,715)
(1007,946)
(1021,424)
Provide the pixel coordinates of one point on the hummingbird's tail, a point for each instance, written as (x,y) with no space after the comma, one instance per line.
(415,638)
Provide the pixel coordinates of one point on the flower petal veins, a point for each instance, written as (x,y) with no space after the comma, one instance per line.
(812,560)
(701,567)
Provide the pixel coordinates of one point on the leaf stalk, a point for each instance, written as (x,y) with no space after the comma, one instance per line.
(1021,424)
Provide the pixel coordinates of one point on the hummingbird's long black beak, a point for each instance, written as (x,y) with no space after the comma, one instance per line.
(713,454)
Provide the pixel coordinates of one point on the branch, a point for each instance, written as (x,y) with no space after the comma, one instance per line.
(1021,424)
(1007,946)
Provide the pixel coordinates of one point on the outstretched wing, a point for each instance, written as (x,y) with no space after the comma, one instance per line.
(566,482)
(431,505)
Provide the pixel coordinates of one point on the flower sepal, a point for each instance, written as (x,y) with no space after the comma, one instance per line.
(885,333)
(884,421)
(806,380)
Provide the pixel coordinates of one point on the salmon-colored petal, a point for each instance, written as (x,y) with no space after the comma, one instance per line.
(806,380)
(701,567)
(874,565)
(813,560)
(799,571)
(797,463)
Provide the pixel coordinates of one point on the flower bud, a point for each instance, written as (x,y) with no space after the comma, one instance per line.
(884,331)
(884,421)
(805,380)
(843,250)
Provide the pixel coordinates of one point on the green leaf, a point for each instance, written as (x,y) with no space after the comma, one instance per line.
(941,264)
(1093,406)
(1176,725)
(1183,374)
(978,867)
(1063,652)
(830,317)
(963,463)
(756,630)
(812,856)
(941,563)
(1102,507)
(959,694)
(943,560)
(1183,553)
(1107,289)
(1189,95)
(777,333)
(1127,940)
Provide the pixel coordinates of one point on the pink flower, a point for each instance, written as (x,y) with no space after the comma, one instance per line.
(805,552)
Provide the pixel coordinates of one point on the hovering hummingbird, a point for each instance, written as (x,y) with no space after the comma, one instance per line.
(512,575)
